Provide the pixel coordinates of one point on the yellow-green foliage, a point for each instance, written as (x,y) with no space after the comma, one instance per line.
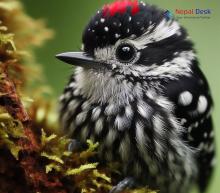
(67,163)
(10,131)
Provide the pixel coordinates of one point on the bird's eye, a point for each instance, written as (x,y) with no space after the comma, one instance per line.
(125,53)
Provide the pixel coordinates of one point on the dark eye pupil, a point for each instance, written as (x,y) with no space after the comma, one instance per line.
(125,53)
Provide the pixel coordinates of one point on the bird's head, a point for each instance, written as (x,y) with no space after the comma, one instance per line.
(134,41)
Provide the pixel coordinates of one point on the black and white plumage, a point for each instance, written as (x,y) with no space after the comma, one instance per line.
(139,92)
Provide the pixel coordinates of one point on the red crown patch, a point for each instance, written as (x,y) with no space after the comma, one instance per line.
(120,6)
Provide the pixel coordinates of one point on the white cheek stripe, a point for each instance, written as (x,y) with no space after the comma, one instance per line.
(162,31)
(181,65)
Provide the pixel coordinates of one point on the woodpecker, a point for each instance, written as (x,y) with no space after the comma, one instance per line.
(138,90)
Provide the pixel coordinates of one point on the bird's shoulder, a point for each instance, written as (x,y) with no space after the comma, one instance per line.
(191,97)
(193,107)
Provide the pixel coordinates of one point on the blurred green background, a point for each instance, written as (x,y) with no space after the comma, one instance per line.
(69,17)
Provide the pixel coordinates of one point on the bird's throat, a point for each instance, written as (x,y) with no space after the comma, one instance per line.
(103,87)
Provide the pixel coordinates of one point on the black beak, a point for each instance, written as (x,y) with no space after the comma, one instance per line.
(79,59)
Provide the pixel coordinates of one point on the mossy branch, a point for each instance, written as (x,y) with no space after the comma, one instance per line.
(33,154)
